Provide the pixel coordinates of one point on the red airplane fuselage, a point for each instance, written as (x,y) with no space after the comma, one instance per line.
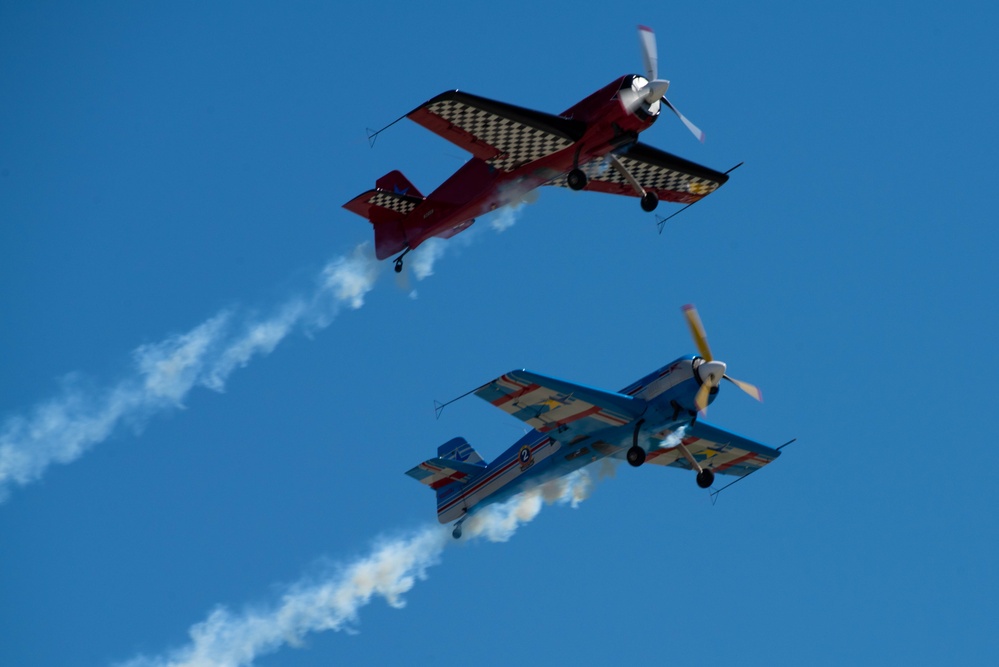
(478,188)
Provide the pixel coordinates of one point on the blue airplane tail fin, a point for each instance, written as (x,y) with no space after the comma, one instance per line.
(456,464)
(458,449)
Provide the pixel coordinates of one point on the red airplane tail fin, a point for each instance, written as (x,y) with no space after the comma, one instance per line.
(387,207)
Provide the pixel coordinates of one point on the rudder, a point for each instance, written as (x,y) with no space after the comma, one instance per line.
(396,183)
(458,449)
(387,207)
(456,465)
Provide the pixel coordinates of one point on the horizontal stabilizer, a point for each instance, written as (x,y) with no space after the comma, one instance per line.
(383,205)
(438,473)
(386,207)
(457,462)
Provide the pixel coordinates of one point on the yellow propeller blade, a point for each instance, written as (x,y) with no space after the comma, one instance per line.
(752,390)
(697,331)
(701,400)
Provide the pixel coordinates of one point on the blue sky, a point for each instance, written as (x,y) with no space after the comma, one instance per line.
(171,179)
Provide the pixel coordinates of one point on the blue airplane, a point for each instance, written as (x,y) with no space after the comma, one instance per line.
(654,420)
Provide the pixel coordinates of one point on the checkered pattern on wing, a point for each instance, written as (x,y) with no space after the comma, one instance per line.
(654,177)
(393,202)
(518,143)
(651,176)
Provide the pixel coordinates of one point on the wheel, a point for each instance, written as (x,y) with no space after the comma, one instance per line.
(705,478)
(649,202)
(636,455)
(398,266)
(456,533)
(576,179)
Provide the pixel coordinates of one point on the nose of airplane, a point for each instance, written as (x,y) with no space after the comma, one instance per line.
(711,371)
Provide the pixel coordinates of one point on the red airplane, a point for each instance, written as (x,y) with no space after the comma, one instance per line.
(593,145)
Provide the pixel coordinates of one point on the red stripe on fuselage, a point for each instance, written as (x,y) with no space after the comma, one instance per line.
(478,485)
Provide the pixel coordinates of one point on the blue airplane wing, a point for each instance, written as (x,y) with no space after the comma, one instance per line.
(563,410)
(722,451)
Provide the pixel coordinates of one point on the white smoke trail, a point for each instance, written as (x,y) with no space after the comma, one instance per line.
(498,523)
(61,429)
(421,261)
(425,256)
(506,216)
(504,219)
(332,602)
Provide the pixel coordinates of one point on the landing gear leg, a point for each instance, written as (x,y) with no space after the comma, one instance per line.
(705,477)
(649,199)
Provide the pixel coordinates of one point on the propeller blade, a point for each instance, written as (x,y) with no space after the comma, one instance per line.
(701,400)
(647,39)
(690,126)
(697,331)
(752,390)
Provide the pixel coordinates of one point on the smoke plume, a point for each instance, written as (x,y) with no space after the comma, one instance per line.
(61,429)
(332,602)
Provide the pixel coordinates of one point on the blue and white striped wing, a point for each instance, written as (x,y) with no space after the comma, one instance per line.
(721,451)
(561,409)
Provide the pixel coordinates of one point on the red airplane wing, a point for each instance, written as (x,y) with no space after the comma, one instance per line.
(672,178)
(504,135)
